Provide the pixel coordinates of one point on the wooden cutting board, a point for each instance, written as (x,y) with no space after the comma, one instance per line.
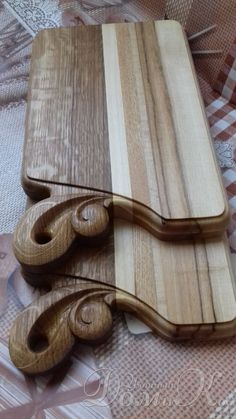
(117,108)
(116,130)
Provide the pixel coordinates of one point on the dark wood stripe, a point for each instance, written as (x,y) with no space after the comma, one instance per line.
(67,119)
(67,128)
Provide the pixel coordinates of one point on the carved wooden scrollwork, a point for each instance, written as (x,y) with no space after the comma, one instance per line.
(49,228)
(44,333)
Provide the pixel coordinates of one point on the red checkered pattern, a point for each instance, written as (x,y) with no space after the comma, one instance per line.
(221,113)
(226,82)
(222,118)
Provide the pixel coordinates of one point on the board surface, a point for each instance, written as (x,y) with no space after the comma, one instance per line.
(115,112)
(116,108)
(186,282)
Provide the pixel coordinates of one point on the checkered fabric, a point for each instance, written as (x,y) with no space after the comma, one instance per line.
(221,114)
(226,82)
(222,118)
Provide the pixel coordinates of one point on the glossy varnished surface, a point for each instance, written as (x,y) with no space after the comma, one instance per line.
(134,94)
(116,134)
(117,108)
(112,241)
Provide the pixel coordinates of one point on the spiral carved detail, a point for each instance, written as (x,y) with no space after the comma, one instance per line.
(44,333)
(49,228)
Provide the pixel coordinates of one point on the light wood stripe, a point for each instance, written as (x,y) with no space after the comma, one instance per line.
(141,165)
(124,255)
(115,112)
(222,280)
(191,127)
(169,177)
(140,153)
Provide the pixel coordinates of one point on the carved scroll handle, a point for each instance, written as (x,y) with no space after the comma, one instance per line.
(43,335)
(45,332)
(48,229)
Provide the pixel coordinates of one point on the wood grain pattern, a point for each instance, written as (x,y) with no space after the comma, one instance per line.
(126,118)
(184,281)
(44,333)
(118,143)
(155,127)
(74,95)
